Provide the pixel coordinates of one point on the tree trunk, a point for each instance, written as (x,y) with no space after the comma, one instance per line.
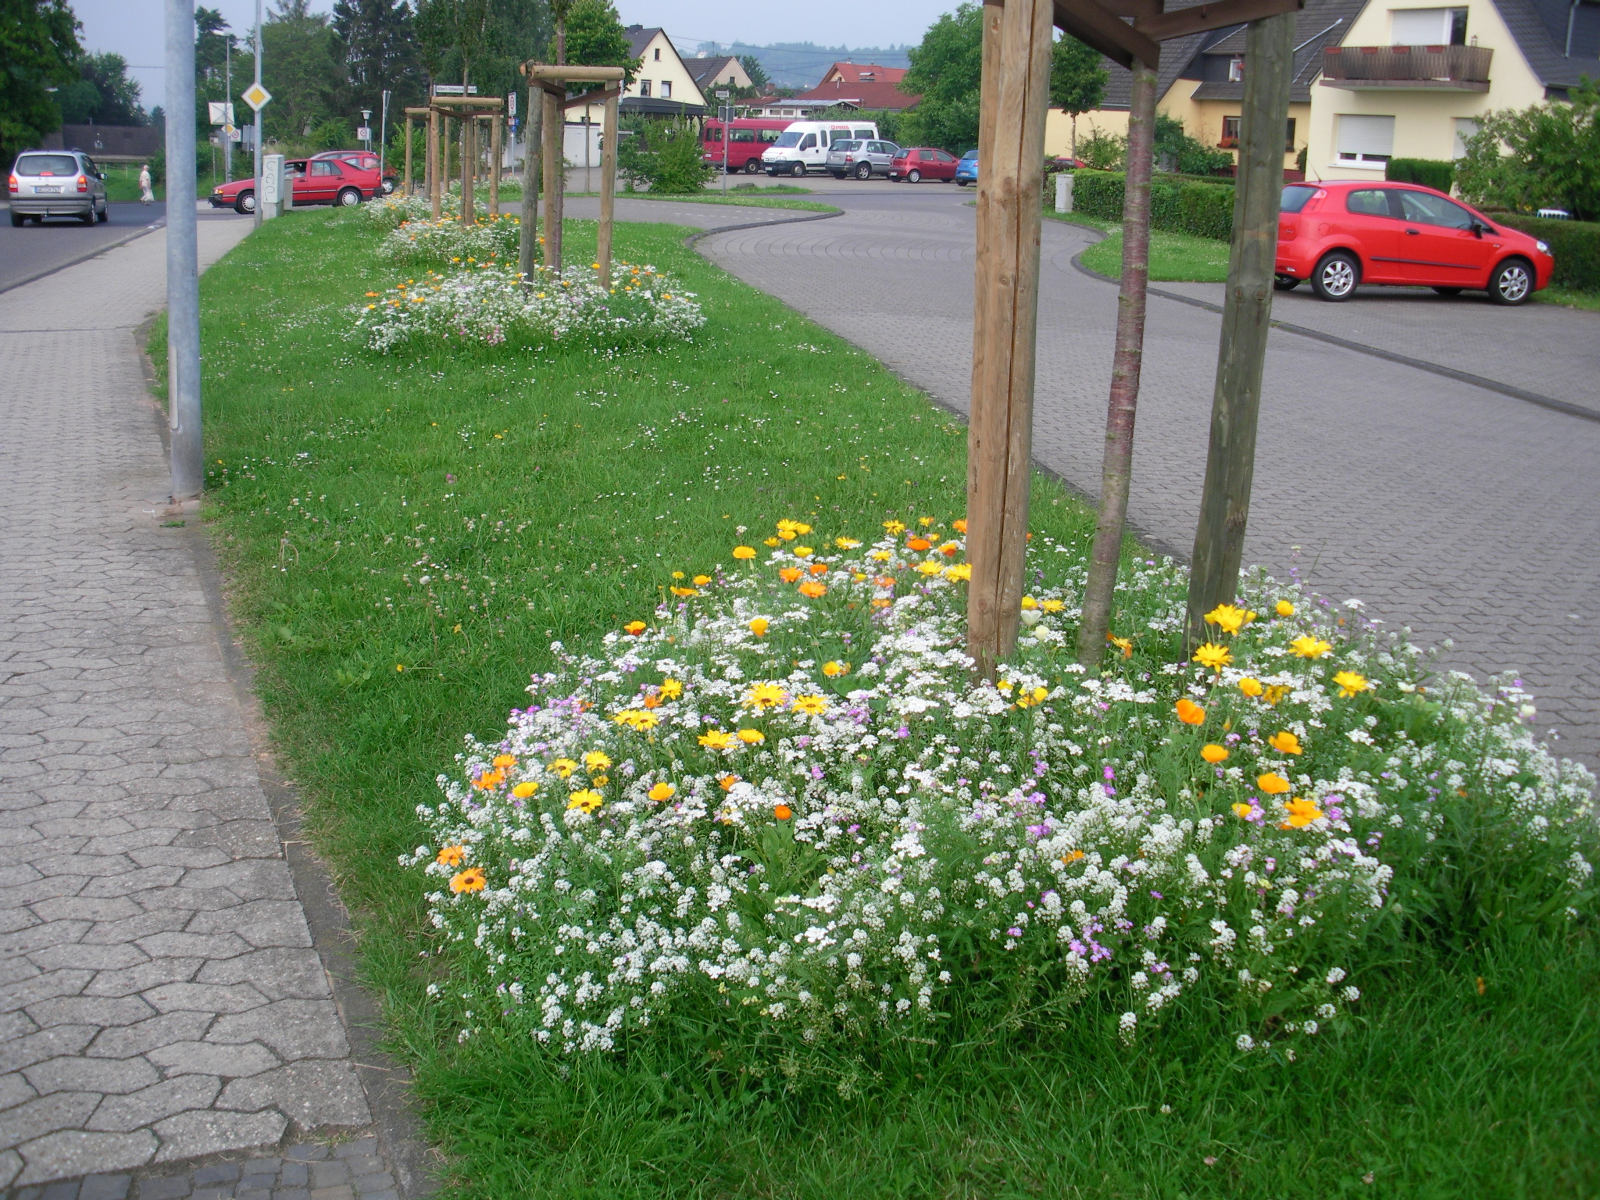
(1246,313)
(531,160)
(1116,469)
(608,186)
(553,181)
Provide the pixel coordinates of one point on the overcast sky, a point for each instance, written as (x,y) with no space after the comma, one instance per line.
(133,28)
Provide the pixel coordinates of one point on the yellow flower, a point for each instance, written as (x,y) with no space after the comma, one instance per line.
(895,527)
(764,696)
(759,627)
(1213,753)
(585,801)
(803,551)
(1301,813)
(1285,742)
(930,567)
(1052,606)
(662,791)
(525,789)
(811,706)
(470,880)
(452,856)
(637,719)
(744,551)
(1250,687)
(962,571)
(1242,811)
(564,767)
(924,521)
(1307,646)
(771,541)
(634,628)
(1212,655)
(716,739)
(752,737)
(701,580)
(677,574)
(595,760)
(1227,618)
(834,669)
(880,556)
(1272,783)
(1275,693)
(788,530)
(1189,712)
(1284,608)
(1029,699)
(846,543)
(1029,604)
(1072,856)
(1121,643)
(671,689)
(1350,683)
(684,591)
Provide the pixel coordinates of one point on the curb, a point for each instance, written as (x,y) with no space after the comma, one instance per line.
(87,255)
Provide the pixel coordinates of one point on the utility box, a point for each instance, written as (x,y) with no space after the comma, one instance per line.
(272,186)
(1064,183)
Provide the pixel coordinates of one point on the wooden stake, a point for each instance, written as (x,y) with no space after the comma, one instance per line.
(407,187)
(1000,436)
(469,165)
(1246,314)
(988,106)
(608,187)
(494,165)
(1125,366)
(530,182)
(433,163)
(553,181)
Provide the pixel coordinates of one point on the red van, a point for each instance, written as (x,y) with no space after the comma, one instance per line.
(750,136)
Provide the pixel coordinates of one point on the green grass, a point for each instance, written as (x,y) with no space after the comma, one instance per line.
(564,490)
(1568,298)
(1174,258)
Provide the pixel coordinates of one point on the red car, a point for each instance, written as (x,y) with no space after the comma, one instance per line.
(326,178)
(923,162)
(1343,233)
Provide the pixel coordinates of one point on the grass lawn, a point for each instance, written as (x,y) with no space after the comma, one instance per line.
(554,496)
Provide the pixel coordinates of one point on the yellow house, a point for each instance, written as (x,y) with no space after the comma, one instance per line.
(663,85)
(1408,81)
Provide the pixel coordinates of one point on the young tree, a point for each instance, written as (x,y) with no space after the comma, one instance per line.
(1077,80)
(946,70)
(38,46)
(103,94)
(759,78)
(596,38)
(378,47)
(300,69)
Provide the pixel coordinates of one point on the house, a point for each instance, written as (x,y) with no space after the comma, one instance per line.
(786,107)
(1201,83)
(861,85)
(663,85)
(1412,82)
(721,71)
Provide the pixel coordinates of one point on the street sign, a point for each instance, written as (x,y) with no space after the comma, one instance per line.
(231,132)
(722,93)
(364,133)
(257,97)
(221,113)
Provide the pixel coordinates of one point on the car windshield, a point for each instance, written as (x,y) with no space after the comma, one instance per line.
(47,164)
(970,156)
(1295,197)
(788,140)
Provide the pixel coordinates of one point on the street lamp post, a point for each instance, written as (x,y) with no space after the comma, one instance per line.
(366,126)
(183,268)
(383,134)
(257,183)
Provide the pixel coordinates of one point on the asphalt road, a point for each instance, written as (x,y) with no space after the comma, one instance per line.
(36,250)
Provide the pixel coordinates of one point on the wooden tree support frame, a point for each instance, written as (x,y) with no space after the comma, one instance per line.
(468,112)
(1013,98)
(547,88)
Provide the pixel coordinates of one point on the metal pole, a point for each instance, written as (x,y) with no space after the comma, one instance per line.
(227,110)
(183,270)
(383,134)
(256,186)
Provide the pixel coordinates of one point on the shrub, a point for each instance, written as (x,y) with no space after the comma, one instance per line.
(1102,151)
(666,158)
(1575,245)
(1180,206)
(448,240)
(780,817)
(1545,156)
(1429,172)
(1176,151)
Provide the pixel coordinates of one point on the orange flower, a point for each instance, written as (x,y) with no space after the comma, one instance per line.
(752,737)
(634,628)
(727,781)
(759,627)
(885,581)
(1286,743)
(489,780)
(652,701)
(819,568)
(790,574)
(1301,813)
(1072,856)
(882,602)
(452,856)
(470,880)
(1213,753)
(834,669)
(744,551)
(782,811)
(662,791)
(959,525)
(813,589)
(1272,783)
(919,543)
(1189,712)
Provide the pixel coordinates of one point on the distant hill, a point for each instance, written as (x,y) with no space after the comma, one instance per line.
(801,64)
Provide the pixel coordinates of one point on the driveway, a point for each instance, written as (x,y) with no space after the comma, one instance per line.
(1461,512)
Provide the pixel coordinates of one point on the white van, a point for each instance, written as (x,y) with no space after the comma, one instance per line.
(803,146)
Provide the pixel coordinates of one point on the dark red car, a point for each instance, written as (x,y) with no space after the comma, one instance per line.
(326,178)
(1343,233)
(923,162)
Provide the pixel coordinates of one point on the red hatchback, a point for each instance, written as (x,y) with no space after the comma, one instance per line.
(923,162)
(1343,233)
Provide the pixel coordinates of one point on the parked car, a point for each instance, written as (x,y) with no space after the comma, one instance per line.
(323,179)
(805,144)
(861,159)
(747,141)
(967,169)
(1063,163)
(56,183)
(1345,233)
(366,160)
(923,162)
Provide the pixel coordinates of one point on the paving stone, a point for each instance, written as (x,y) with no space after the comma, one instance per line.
(163,1187)
(205,1058)
(312,1093)
(106,1187)
(291,1193)
(376,1181)
(67,1154)
(206,1131)
(341,1192)
(216,1173)
(308,1153)
(330,1173)
(145,1108)
(294,1174)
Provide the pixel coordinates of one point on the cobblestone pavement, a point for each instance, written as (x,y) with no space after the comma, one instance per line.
(1461,512)
(160,996)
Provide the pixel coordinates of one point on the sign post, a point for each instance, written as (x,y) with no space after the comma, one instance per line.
(725,115)
(256,152)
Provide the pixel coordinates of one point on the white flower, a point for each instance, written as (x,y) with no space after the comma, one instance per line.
(1245,1043)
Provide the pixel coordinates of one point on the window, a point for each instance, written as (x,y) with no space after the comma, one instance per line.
(644,87)
(666,89)
(325,166)
(713,135)
(1435,210)
(1236,70)
(1295,197)
(47,164)
(1466,128)
(1288,140)
(658,53)
(745,135)
(1369,202)
(1428,27)
(765,135)
(864,133)
(809,142)
(1364,140)
(1230,133)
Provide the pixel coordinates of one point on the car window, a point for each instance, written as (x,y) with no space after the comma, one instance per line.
(787,140)
(943,157)
(1434,210)
(47,164)
(1368,202)
(743,135)
(771,135)
(325,166)
(863,133)
(1295,197)
(809,142)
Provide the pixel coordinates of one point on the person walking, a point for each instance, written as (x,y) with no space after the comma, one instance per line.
(146,194)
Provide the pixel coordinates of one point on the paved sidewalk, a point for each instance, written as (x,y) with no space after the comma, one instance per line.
(160,996)
(1460,512)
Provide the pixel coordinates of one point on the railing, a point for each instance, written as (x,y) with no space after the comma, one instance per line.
(1452,64)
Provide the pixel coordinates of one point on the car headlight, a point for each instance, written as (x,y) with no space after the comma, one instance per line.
(1544,247)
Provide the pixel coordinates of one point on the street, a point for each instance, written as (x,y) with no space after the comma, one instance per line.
(36,250)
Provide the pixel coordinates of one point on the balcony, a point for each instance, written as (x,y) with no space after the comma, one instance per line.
(1407,68)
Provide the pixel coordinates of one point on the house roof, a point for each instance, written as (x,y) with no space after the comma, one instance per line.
(640,36)
(853,73)
(865,85)
(1540,30)
(1321,23)
(706,70)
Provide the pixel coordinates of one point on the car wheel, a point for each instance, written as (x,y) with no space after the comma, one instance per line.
(1512,282)
(388,187)
(1448,291)
(88,217)
(798,170)
(1336,276)
(18,220)
(961,183)
(349,198)
(105,213)
(773,172)
(913,176)
(751,167)
(1286,283)
(864,171)
(245,204)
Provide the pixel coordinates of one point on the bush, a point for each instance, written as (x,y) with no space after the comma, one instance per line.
(1176,151)
(448,240)
(1102,151)
(1575,245)
(1179,206)
(1545,156)
(665,158)
(1429,172)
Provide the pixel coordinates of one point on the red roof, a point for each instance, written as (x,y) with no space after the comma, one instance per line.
(866,85)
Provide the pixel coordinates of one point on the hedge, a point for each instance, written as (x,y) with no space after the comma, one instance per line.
(1203,209)
(1429,172)
(1575,245)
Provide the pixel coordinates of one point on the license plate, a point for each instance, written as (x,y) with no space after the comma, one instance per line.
(41,190)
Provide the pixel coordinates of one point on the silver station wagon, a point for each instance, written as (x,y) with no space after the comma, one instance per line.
(56,183)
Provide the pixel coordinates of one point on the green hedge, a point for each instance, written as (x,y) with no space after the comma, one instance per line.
(1429,172)
(1203,209)
(1575,244)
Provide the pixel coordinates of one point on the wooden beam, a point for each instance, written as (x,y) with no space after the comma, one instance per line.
(410,121)
(433,162)
(469,170)
(417,112)
(608,183)
(555,178)
(571,73)
(468,102)
(1184,21)
(494,165)
(1132,8)
(1094,26)
(988,113)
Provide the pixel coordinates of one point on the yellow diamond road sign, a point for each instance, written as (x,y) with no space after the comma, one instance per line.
(257,96)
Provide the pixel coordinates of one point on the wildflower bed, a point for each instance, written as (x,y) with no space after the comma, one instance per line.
(550,497)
